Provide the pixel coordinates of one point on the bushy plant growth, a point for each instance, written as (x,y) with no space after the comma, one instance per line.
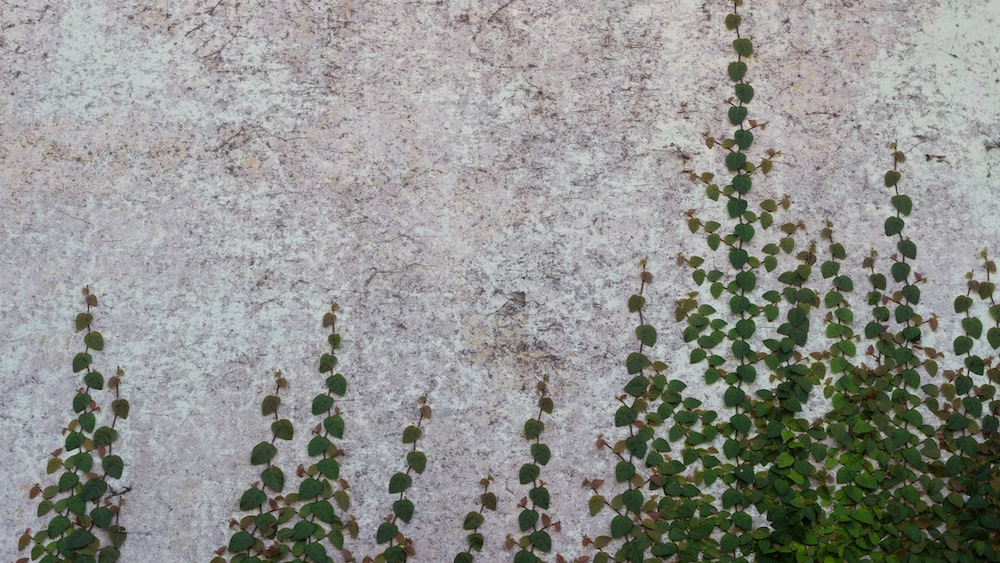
(841,435)
(899,463)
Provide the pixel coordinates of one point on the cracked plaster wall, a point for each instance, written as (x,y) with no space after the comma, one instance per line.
(474,183)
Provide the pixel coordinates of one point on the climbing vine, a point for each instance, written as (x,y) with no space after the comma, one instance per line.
(839,433)
(84,504)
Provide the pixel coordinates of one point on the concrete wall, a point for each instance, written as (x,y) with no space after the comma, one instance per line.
(475,184)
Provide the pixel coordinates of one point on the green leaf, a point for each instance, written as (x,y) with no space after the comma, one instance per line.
(533,428)
(394,554)
(625,416)
(334,426)
(101,516)
(636,303)
(78,538)
(315,552)
(746,281)
(83,320)
(93,489)
(318,445)
(81,401)
(337,384)
(957,421)
(743,138)
(963,344)
(488,500)
(741,423)
(735,207)
(737,114)
(403,509)
(738,257)
(262,453)
(972,326)
(105,436)
(733,21)
(117,535)
(892,178)
(737,70)
(907,248)
(973,406)
(528,473)
(252,498)
(94,380)
(993,337)
(94,340)
(900,270)
(302,530)
(595,504)
(986,289)
(322,403)
(310,488)
(67,481)
(417,461)
(241,541)
(473,520)
(902,203)
(273,478)
(637,386)
(893,226)
(540,453)
(81,361)
(735,161)
(282,429)
(270,405)
(962,304)
(843,283)
(646,334)
(744,92)
(635,363)
(541,540)
(832,299)
(526,519)
(624,471)
(74,440)
(743,521)
(742,182)
(329,468)
(539,496)
(327,362)
(865,480)
(113,466)
(734,396)
(57,526)
(120,408)
(620,526)
(411,434)
(399,482)
(743,46)
(632,499)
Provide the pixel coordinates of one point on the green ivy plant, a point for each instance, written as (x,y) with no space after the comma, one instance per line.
(84,504)
(900,464)
(841,436)
(533,523)
(309,522)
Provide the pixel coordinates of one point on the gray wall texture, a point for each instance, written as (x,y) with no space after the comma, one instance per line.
(474,182)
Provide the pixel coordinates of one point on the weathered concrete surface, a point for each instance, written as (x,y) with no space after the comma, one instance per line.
(474,183)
